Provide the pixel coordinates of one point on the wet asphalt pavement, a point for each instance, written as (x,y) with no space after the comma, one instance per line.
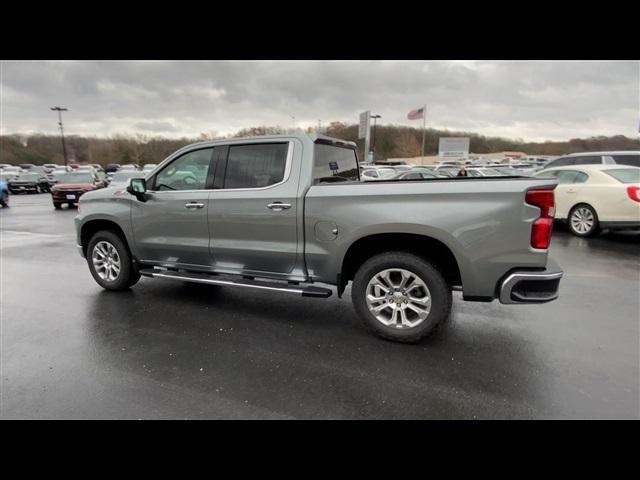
(169,350)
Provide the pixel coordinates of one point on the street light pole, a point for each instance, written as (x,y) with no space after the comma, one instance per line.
(64,148)
(373,141)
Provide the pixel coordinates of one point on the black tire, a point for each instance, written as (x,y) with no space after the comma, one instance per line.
(57,205)
(432,278)
(596,223)
(128,275)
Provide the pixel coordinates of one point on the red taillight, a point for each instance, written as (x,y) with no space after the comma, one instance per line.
(542,227)
(634,193)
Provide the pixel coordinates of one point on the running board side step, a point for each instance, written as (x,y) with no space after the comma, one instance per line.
(309,291)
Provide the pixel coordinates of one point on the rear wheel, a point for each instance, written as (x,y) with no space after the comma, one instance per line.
(401,297)
(57,205)
(583,220)
(110,262)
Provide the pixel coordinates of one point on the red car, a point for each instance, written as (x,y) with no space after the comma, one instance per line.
(72,185)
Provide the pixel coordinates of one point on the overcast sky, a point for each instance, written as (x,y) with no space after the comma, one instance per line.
(532,100)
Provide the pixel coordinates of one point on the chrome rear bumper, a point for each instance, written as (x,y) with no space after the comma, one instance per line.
(531,286)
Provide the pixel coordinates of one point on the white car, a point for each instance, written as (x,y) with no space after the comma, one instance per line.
(376,174)
(485,172)
(590,197)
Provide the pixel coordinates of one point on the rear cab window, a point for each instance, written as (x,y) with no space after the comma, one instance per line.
(334,163)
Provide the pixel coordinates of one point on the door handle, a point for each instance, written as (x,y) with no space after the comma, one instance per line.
(279,206)
(571,190)
(193,205)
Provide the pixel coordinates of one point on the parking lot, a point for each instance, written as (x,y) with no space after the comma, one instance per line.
(172,350)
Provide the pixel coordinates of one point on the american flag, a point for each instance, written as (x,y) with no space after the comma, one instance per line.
(416,114)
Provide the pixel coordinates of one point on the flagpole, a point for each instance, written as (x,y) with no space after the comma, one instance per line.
(424,121)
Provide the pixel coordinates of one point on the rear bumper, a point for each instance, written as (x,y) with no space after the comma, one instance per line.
(526,286)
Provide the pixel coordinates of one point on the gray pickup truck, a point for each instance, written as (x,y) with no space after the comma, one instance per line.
(284,213)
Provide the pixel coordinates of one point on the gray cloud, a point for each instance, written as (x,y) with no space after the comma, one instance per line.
(533,100)
(156,126)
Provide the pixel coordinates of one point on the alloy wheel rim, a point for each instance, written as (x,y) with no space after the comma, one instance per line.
(398,298)
(106,261)
(582,220)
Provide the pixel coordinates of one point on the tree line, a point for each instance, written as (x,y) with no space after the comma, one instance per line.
(390,142)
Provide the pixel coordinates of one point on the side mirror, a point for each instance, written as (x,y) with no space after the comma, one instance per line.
(138,188)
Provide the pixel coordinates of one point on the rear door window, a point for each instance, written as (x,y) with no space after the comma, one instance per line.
(581,177)
(566,176)
(256,165)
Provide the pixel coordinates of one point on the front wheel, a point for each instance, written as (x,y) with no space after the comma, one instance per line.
(583,221)
(110,262)
(401,297)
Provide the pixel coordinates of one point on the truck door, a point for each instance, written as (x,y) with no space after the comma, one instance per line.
(253,210)
(170,228)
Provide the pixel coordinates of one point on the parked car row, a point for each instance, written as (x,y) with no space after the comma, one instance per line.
(596,191)
(443,170)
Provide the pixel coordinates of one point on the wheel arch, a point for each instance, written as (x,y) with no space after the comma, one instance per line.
(427,247)
(91,227)
(577,204)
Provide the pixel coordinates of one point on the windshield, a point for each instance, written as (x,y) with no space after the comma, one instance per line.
(75,177)
(334,164)
(625,175)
